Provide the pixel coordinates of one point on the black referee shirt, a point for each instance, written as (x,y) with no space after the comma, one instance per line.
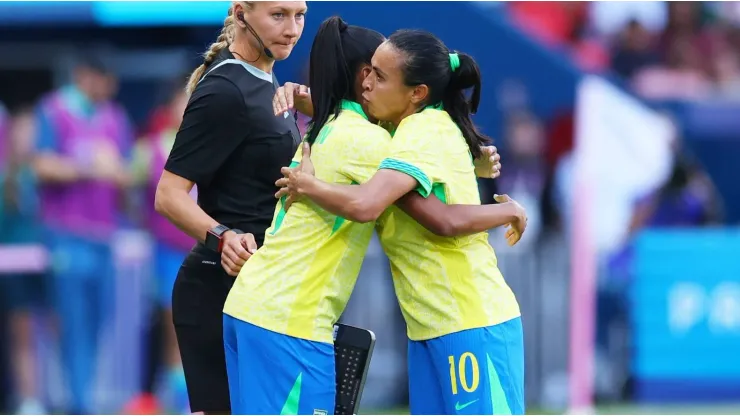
(232,145)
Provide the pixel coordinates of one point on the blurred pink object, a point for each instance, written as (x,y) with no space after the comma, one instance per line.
(678,84)
(23,259)
(590,55)
(552,22)
(146,404)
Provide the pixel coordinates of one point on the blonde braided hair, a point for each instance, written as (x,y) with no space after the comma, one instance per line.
(222,42)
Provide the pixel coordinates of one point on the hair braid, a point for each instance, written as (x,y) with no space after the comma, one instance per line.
(222,42)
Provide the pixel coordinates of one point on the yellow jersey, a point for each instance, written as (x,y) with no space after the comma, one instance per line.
(299,282)
(443,284)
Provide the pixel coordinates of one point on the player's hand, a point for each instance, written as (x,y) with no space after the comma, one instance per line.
(293,176)
(291,185)
(306,165)
(290,96)
(488,165)
(519,224)
(237,249)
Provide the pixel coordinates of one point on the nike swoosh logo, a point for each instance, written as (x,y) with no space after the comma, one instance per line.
(459,407)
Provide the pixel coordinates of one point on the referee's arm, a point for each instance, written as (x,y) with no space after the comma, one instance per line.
(212,128)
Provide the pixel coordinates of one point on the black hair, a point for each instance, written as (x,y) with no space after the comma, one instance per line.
(337,53)
(427,61)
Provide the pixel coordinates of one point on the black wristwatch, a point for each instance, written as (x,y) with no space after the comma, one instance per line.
(214,237)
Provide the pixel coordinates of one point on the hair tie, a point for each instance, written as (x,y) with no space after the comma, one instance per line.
(454,61)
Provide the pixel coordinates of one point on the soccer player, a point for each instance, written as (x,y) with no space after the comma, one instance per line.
(466,353)
(281,310)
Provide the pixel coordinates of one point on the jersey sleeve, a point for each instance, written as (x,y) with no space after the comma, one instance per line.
(213,126)
(365,158)
(412,153)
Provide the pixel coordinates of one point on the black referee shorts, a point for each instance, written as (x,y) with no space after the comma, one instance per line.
(198,299)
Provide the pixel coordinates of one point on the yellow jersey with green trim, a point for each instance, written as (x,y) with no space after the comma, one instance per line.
(444,285)
(299,282)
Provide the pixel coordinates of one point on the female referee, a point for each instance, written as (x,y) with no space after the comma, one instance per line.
(466,352)
(232,146)
(280,313)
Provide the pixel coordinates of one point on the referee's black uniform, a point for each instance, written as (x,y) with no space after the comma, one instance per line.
(232,146)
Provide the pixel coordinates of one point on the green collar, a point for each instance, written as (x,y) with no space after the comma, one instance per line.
(353,106)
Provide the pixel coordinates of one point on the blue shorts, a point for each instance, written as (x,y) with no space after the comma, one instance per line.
(473,372)
(276,374)
(168,262)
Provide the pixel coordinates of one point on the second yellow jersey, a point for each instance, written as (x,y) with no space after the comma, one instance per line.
(444,285)
(299,282)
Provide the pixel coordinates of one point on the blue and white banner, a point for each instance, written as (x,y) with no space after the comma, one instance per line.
(686,314)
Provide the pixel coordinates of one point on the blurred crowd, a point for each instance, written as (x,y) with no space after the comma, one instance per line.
(652,46)
(74,172)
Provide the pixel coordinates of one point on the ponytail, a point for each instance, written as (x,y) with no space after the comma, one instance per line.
(447,75)
(329,75)
(337,52)
(459,107)
(222,42)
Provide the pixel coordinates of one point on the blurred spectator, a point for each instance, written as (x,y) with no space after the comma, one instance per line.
(688,199)
(525,176)
(685,23)
(634,50)
(21,292)
(681,78)
(172,245)
(3,133)
(727,72)
(82,141)
(610,17)
(588,52)
(4,382)
(163,117)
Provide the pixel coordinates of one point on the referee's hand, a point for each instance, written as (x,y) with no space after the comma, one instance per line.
(237,249)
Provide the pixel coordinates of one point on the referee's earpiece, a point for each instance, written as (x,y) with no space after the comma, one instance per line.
(240,17)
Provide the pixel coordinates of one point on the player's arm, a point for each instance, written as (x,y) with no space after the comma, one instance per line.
(405,170)
(358,203)
(458,220)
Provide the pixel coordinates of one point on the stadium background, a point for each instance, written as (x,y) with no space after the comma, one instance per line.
(617,124)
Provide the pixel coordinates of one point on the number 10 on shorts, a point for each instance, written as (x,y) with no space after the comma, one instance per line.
(457,370)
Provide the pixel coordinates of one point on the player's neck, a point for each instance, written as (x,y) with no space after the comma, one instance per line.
(409,111)
(252,56)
